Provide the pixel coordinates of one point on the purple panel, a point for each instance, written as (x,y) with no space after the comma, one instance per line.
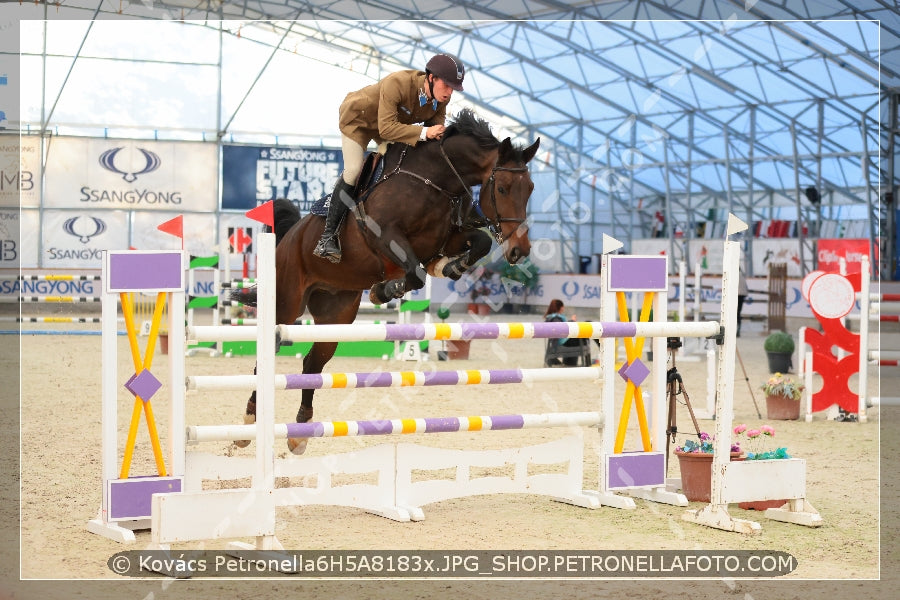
(480,331)
(553,329)
(506,376)
(130,498)
(310,381)
(636,273)
(441,425)
(403,332)
(441,378)
(507,422)
(158,271)
(376,427)
(619,330)
(637,372)
(622,371)
(144,384)
(637,469)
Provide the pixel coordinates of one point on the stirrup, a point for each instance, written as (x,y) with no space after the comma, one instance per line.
(329,248)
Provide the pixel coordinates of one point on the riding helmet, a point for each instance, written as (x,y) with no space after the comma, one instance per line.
(449,68)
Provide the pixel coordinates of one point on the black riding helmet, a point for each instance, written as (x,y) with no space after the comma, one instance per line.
(449,68)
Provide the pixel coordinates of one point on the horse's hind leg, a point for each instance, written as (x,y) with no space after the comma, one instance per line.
(340,308)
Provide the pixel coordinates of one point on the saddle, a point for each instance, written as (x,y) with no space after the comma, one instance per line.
(373,167)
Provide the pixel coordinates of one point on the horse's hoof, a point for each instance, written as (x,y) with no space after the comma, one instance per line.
(297,446)
(248,420)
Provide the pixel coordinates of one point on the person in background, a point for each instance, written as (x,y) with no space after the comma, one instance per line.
(743,292)
(556,312)
(388,111)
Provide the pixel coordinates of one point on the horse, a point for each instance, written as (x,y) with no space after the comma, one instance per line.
(419,216)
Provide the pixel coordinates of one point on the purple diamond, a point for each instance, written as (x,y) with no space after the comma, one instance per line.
(637,372)
(623,370)
(144,384)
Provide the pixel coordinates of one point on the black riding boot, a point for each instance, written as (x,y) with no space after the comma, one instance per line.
(329,247)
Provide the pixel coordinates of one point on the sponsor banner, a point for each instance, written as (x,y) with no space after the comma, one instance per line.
(830,253)
(103,174)
(20,170)
(199,233)
(10,244)
(236,228)
(778,250)
(254,174)
(30,238)
(77,239)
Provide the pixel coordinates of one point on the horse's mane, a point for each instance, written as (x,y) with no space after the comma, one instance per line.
(467,123)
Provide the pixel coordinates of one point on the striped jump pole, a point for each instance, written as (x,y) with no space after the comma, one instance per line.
(871,306)
(53,299)
(463,331)
(323,429)
(386,379)
(51,277)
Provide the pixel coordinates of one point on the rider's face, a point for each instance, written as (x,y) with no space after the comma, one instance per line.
(442,91)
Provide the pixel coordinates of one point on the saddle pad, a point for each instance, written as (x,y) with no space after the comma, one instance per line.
(367,180)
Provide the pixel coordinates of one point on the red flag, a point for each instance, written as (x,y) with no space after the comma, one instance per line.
(174,227)
(264,213)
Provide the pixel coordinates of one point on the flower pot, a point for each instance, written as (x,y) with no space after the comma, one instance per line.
(779,362)
(696,474)
(458,349)
(782,408)
(761,504)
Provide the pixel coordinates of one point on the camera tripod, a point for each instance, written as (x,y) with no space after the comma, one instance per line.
(675,388)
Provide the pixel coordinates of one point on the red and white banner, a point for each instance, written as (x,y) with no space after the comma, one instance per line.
(830,253)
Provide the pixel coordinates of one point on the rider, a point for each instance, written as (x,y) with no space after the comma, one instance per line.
(386,112)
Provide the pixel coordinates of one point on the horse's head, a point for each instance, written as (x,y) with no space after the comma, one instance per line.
(504,199)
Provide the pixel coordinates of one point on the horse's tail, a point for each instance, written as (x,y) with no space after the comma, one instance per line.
(285,216)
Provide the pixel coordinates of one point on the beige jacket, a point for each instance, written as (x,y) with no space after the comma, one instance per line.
(385,111)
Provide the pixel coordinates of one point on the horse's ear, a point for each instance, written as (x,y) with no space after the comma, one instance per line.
(529,152)
(505,149)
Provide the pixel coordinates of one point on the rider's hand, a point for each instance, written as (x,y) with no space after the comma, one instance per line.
(434,132)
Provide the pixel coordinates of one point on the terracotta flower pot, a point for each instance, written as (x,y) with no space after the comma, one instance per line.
(782,408)
(696,474)
(458,349)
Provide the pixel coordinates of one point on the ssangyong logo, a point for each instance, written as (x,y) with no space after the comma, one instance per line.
(79,227)
(108,162)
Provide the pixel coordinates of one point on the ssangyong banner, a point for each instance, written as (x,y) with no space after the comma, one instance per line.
(104,174)
(255,174)
(20,170)
(77,239)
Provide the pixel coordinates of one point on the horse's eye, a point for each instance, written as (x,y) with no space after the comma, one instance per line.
(501,190)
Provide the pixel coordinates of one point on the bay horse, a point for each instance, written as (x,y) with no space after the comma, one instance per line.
(419,215)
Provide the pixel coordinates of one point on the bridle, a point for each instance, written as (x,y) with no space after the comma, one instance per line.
(493,224)
(482,220)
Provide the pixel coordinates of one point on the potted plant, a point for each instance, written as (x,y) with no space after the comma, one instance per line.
(756,440)
(782,397)
(695,463)
(779,347)
(524,274)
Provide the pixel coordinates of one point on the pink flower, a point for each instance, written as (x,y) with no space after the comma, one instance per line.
(768,430)
(753,433)
(704,436)
(740,429)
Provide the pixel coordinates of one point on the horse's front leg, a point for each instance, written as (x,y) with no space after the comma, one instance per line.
(400,252)
(319,354)
(462,251)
